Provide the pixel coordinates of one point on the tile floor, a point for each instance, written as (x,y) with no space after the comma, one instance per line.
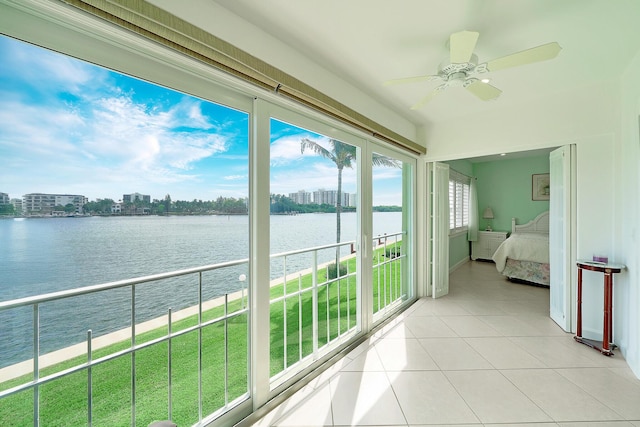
(487,353)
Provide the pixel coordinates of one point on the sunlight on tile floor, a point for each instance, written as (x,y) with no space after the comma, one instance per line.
(487,353)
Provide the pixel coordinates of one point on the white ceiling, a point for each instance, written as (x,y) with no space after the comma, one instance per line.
(367,42)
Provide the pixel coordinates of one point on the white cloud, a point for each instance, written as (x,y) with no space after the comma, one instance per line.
(126,138)
(234,177)
(285,150)
(43,69)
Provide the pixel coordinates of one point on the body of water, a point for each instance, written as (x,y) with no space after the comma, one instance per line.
(42,255)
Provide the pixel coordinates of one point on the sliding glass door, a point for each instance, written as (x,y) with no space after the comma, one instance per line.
(314,229)
(392,219)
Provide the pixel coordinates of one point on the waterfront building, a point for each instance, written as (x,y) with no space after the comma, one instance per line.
(345,199)
(302,197)
(17,205)
(322,197)
(330,197)
(136,197)
(4,199)
(116,208)
(43,203)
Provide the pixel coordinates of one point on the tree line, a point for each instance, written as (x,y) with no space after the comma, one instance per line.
(280,204)
(166,206)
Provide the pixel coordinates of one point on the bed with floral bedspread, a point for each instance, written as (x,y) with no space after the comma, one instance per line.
(524,256)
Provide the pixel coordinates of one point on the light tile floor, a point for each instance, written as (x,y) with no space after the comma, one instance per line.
(487,353)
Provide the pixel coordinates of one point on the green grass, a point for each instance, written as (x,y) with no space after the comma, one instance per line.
(63,402)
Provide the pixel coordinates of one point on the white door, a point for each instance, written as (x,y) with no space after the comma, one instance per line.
(561,231)
(439,229)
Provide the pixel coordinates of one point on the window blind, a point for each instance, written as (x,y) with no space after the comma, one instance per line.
(459,191)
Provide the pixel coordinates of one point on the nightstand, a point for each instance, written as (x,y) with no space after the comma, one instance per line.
(487,244)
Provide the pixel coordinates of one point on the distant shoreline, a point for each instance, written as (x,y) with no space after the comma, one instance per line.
(119,215)
(176,214)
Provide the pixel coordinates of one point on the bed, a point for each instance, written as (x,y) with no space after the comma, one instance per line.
(524,256)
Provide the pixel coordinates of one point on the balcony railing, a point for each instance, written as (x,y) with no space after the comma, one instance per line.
(312,309)
(301,336)
(192,365)
(200,347)
(389,268)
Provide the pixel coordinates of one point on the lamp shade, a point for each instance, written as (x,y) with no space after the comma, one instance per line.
(488,213)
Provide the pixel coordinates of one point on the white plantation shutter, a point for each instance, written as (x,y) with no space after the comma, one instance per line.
(459,190)
(452,203)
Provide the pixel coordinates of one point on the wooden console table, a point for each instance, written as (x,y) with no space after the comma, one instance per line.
(609,269)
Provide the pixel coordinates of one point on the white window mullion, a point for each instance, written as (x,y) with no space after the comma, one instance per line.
(259,248)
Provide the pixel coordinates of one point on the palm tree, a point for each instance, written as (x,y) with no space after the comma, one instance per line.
(343,155)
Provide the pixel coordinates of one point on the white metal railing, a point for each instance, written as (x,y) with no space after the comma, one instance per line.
(389,291)
(333,321)
(314,285)
(171,335)
(388,262)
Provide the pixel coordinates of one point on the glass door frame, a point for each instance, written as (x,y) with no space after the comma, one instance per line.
(409,220)
(264,111)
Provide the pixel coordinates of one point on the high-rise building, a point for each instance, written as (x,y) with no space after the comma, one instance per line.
(301,197)
(330,197)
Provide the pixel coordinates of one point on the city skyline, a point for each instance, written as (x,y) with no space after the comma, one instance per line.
(90,131)
(150,198)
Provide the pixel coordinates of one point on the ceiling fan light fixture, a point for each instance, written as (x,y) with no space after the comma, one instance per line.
(462,68)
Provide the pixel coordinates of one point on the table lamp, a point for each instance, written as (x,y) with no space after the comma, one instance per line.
(488,214)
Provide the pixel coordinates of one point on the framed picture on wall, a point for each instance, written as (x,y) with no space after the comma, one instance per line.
(540,186)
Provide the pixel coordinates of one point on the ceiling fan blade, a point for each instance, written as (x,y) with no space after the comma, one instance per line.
(428,98)
(461,46)
(535,54)
(484,91)
(411,80)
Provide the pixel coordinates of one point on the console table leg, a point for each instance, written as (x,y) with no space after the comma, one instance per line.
(606,339)
(579,314)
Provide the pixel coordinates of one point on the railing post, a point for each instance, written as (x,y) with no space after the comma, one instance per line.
(36,364)
(314,300)
(133,355)
(299,317)
(89,381)
(378,267)
(348,299)
(284,311)
(328,306)
(226,349)
(169,366)
(200,346)
(384,263)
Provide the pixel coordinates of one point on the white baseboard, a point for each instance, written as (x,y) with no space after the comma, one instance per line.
(459,264)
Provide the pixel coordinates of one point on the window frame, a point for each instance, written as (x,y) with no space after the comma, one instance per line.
(112,47)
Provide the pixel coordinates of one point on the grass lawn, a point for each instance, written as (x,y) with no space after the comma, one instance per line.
(63,402)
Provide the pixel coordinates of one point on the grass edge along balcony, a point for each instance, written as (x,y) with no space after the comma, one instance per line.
(159,372)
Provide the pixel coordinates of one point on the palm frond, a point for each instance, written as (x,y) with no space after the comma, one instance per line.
(316,148)
(384,161)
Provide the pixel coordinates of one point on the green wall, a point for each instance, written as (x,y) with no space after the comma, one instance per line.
(505,186)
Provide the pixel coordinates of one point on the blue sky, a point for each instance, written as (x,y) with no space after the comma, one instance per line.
(75,128)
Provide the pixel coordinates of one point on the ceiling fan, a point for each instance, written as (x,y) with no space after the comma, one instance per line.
(463,67)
